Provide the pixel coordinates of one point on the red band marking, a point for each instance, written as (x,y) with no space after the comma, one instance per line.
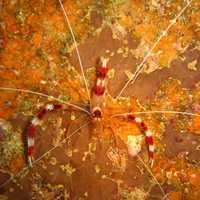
(131,117)
(149,140)
(99,90)
(151,154)
(57,106)
(30,151)
(31,131)
(32,128)
(102,72)
(143,126)
(42,113)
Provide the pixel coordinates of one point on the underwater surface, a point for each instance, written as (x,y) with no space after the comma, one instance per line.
(49,54)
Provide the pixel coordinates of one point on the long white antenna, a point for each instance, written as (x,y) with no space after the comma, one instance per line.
(44,95)
(63,141)
(150,172)
(157,111)
(76,47)
(43,155)
(142,66)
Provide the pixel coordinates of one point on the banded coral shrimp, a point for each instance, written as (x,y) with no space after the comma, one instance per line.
(90,152)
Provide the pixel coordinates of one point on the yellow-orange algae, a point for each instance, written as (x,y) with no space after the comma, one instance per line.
(175,196)
(16,164)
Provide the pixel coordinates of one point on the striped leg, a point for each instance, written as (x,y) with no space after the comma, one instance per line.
(101,73)
(148,135)
(31,129)
(98,90)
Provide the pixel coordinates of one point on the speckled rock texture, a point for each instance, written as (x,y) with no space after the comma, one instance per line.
(154,51)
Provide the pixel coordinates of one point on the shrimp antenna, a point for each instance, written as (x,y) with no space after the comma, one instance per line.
(44,95)
(141,67)
(43,155)
(76,46)
(150,172)
(158,111)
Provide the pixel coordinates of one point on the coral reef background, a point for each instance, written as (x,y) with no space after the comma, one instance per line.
(37,53)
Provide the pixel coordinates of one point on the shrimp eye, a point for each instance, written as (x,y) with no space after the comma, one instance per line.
(97,114)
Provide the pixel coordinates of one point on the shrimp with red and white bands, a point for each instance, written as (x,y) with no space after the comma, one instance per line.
(96,114)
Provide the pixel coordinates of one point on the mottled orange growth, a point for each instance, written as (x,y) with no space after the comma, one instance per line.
(196,93)
(10,23)
(126,22)
(147,32)
(72,7)
(121,126)
(194,19)
(194,177)
(107,133)
(174,92)
(135,106)
(33,76)
(192,193)
(182,32)
(17,164)
(17,54)
(171,96)
(194,126)
(138,4)
(175,196)
(8,74)
(113,107)
(8,56)
(81,30)
(154,124)
(5,98)
(36,40)
(56,20)
(151,26)
(160,167)
(166,46)
(33,21)
(75,94)
(125,128)
(177,172)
